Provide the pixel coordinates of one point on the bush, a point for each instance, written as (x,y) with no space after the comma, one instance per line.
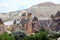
(6,36)
(54,36)
(19,35)
(41,35)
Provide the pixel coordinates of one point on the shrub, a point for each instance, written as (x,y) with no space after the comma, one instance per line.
(6,36)
(41,35)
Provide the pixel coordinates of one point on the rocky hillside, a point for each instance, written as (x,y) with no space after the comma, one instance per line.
(40,10)
(44,9)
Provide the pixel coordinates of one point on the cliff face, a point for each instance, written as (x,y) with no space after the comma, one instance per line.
(40,10)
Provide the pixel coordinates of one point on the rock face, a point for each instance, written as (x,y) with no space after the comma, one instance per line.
(40,10)
(44,9)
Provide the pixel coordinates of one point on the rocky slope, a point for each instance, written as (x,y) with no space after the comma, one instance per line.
(44,9)
(40,10)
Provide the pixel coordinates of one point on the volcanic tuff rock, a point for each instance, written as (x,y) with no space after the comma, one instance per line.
(41,10)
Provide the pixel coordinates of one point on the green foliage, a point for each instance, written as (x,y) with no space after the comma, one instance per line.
(41,35)
(54,36)
(6,36)
(19,35)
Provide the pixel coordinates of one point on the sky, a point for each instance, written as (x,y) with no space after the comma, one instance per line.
(15,5)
